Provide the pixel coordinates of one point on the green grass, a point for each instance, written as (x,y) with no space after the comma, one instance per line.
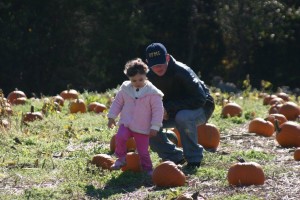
(49,159)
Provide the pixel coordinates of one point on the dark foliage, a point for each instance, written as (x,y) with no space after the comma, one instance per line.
(46,45)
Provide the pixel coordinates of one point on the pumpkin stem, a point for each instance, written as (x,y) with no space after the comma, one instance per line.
(69,86)
(241,159)
(31,108)
(277,128)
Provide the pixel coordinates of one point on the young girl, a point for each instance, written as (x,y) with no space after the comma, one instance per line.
(140,106)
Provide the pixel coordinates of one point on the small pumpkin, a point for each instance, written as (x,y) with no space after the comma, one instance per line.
(12,96)
(208,136)
(297,154)
(276,100)
(276,116)
(59,99)
(232,109)
(96,107)
(268,98)
(103,160)
(133,162)
(130,144)
(32,116)
(290,110)
(175,130)
(288,134)
(77,105)
(261,127)
(167,174)
(245,173)
(275,108)
(284,96)
(4,123)
(69,94)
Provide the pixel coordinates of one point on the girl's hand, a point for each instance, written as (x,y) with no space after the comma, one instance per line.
(111,123)
(153,133)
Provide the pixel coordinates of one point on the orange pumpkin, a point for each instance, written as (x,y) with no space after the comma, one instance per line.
(297,154)
(6,109)
(245,174)
(77,105)
(276,100)
(167,174)
(288,134)
(232,109)
(275,108)
(59,99)
(12,96)
(133,162)
(261,127)
(208,136)
(32,116)
(4,123)
(69,94)
(268,98)
(175,130)
(280,117)
(290,110)
(96,107)
(103,160)
(284,96)
(131,146)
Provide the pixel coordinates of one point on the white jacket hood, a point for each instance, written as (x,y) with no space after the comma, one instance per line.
(148,89)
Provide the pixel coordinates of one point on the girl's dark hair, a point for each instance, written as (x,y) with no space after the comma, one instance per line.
(135,66)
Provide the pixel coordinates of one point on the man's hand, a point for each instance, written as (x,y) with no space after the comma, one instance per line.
(153,133)
(111,123)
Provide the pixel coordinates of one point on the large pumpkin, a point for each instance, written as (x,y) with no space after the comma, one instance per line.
(133,162)
(167,174)
(246,173)
(77,105)
(288,134)
(69,94)
(130,144)
(261,127)
(290,110)
(103,160)
(297,154)
(208,136)
(96,107)
(12,96)
(232,109)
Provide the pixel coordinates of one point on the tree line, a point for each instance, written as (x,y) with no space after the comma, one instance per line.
(46,45)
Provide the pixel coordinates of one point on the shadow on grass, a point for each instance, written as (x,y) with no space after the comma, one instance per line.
(126,182)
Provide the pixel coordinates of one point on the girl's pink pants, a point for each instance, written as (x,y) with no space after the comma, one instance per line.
(142,146)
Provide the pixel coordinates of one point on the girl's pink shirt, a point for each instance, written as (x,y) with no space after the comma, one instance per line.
(138,114)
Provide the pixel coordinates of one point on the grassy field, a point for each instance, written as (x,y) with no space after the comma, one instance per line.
(49,159)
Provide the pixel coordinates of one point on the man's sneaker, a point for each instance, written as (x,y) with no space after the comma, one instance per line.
(118,164)
(193,165)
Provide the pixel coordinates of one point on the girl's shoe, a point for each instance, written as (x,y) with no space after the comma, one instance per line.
(118,164)
(149,173)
